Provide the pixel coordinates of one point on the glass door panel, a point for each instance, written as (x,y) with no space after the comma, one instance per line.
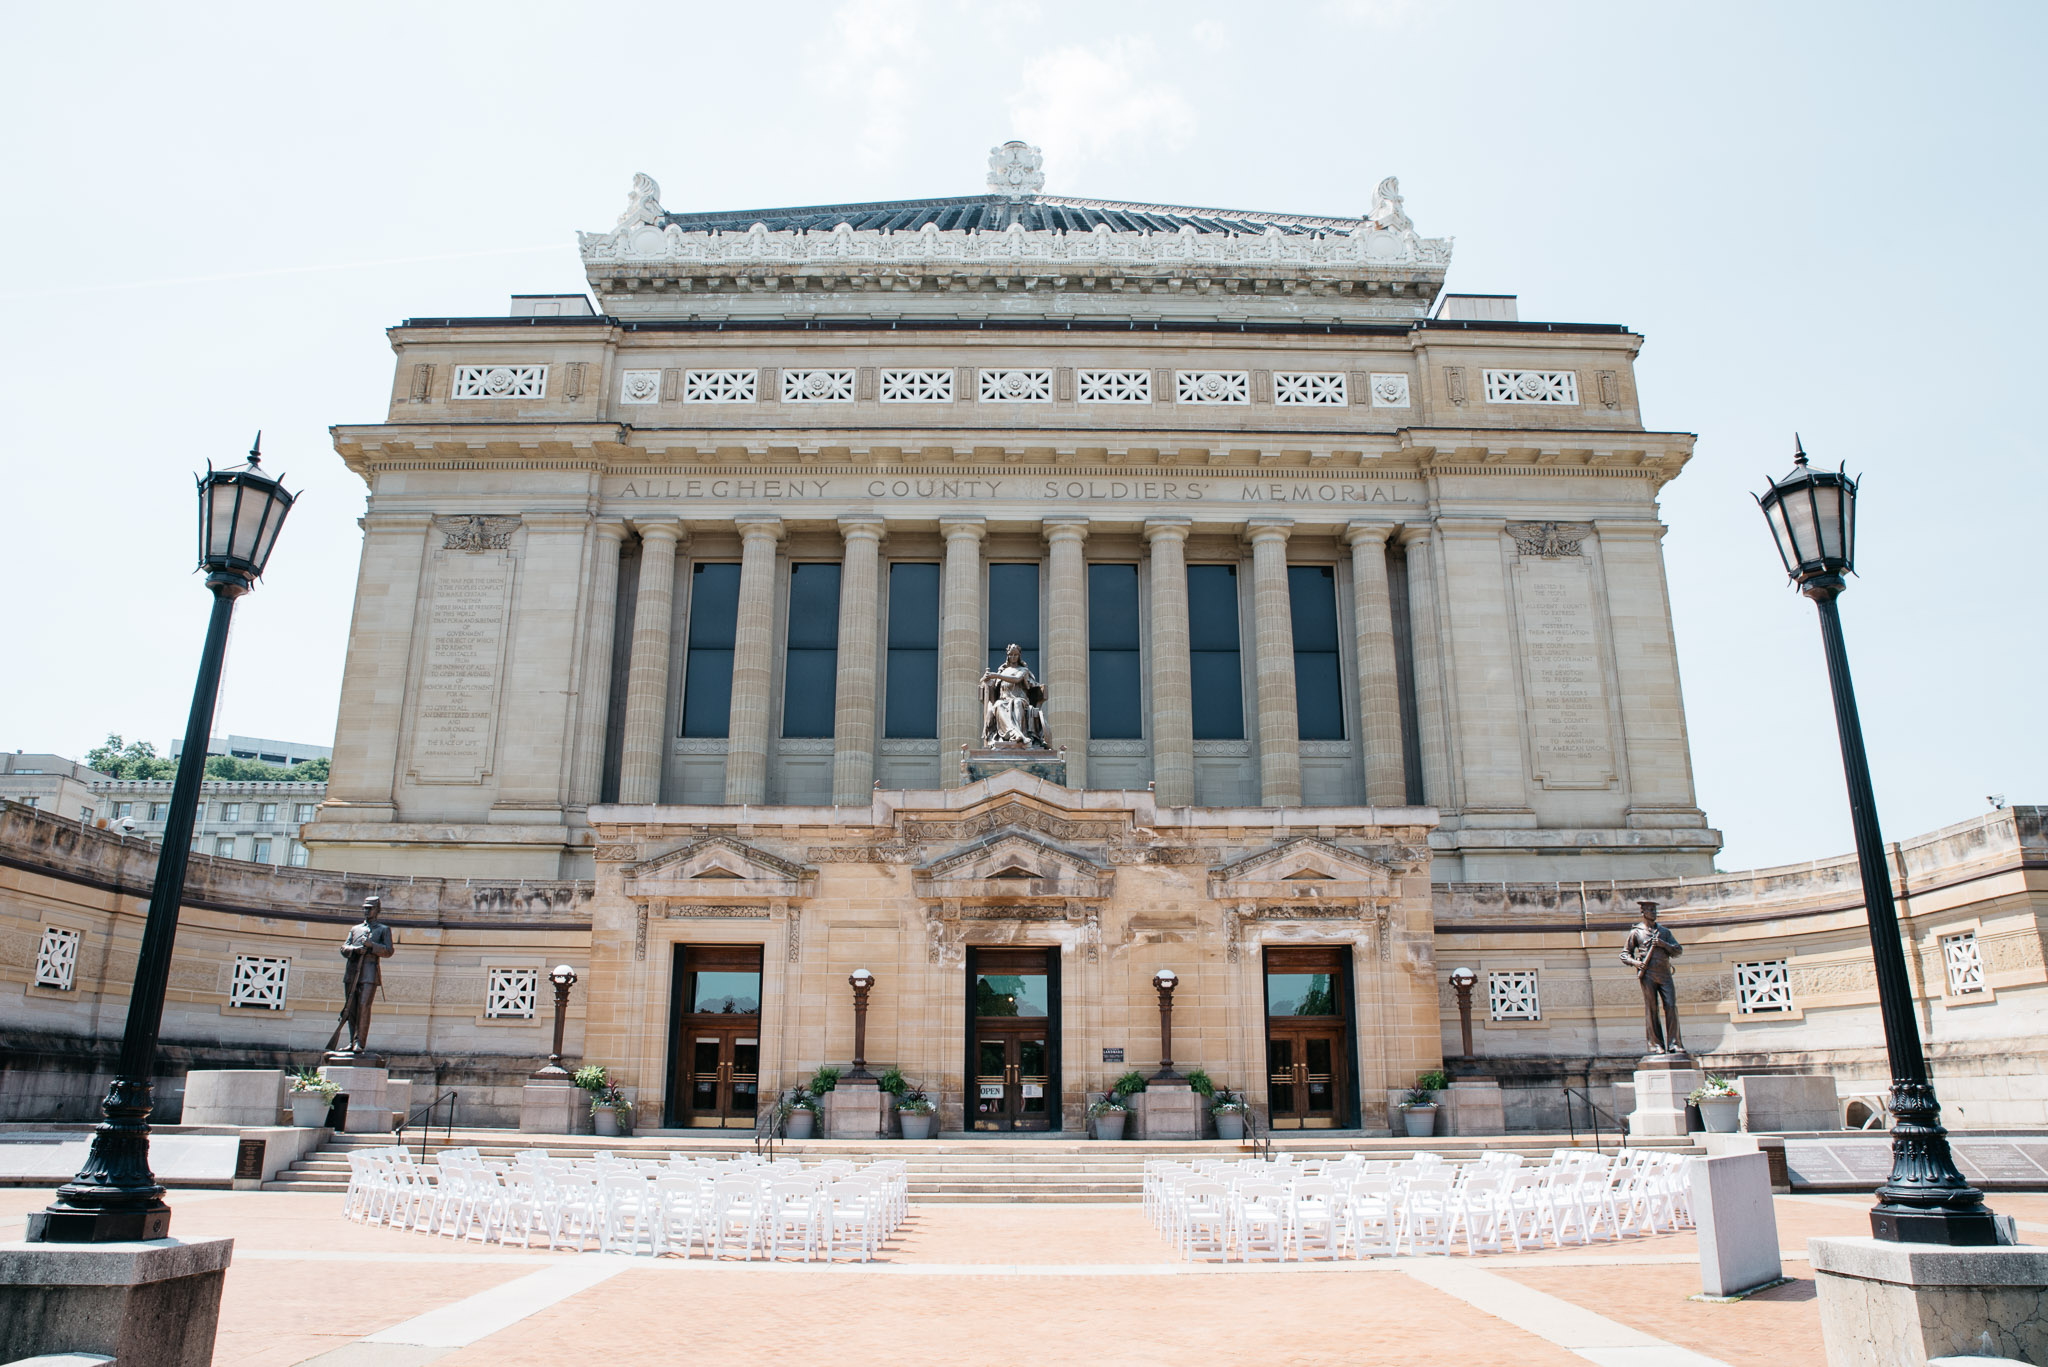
(1319,1098)
(991,1083)
(744,1072)
(1280,1082)
(707,1071)
(1034,1079)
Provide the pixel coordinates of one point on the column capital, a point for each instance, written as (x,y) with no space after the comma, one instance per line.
(1269,528)
(759,526)
(1167,528)
(1074,526)
(667,529)
(1414,534)
(1358,533)
(611,529)
(854,527)
(975,527)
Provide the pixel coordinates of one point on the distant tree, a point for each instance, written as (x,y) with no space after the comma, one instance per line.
(234,770)
(129,760)
(311,771)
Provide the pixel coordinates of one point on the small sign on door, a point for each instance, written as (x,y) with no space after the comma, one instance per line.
(1033,1089)
(1112,1055)
(991,1091)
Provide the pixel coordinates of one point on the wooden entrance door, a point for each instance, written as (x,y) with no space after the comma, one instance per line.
(715,1040)
(1308,1034)
(1013,1039)
(1012,1077)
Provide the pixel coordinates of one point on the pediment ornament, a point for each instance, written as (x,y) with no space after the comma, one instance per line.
(1014,865)
(1303,869)
(719,868)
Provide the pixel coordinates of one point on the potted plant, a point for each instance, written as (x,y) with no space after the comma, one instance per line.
(799,1113)
(1418,1108)
(1108,1115)
(604,1117)
(312,1097)
(1720,1104)
(1230,1109)
(916,1113)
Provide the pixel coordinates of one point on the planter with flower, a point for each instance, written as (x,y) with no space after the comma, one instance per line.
(1419,1107)
(1231,1110)
(312,1098)
(1109,1114)
(611,1111)
(1720,1104)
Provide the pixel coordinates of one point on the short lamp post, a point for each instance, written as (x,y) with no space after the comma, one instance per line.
(1812,515)
(1165,980)
(1462,980)
(862,983)
(564,978)
(115,1197)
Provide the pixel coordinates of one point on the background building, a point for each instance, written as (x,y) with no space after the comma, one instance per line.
(258,822)
(51,783)
(263,751)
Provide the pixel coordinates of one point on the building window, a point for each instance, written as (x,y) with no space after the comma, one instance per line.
(267,812)
(917,386)
(499,382)
(1114,710)
(1016,386)
(85,813)
(911,709)
(1215,676)
(1116,386)
(1318,675)
(230,811)
(159,810)
(262,855)
(719,386)
(810,669)
(1965,964)
(1212,386)
(259,982)
(817,386)
(224,846)
(1532,386)
(32,801)
(122,809)
(298,855)
(1763,987)
(1013,613)
(513,993)
(707,669)
(304,812)
(57,959)
(1511,996)
(1313,391)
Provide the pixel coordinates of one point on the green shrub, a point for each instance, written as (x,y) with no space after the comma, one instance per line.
(1435,1080)
(1198,1079)
(824,1080)
(893,1082)
(1132,1081)
(590,1078)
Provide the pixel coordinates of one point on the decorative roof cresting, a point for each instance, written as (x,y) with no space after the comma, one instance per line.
(1016,170)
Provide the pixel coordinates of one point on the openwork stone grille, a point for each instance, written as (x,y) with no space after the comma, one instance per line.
(1115,386)
(512,993)
(1965,964)
(500,382)
(640,386)
(259,982)
(817,386)
(1763,986)
(1316,391)
(1511,995)
(1389,391)
(57,959)
(917,386)
(1016,386)
(1532,386)
(719,386)
(1212,386)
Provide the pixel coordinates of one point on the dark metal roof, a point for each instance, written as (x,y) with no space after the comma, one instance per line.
(993,213)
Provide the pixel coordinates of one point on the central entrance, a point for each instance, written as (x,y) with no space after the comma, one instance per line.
(1311,1082)
(715,1050)
(1013,1039)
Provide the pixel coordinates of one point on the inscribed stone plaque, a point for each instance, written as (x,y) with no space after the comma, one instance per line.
(456,705)
(1990,1161)
(1809,1163)
(1564,677)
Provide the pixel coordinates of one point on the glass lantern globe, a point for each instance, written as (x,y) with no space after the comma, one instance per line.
(1812,514)
(241,510)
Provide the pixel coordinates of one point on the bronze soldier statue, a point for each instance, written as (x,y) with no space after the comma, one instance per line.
(1649,950)
(366,944)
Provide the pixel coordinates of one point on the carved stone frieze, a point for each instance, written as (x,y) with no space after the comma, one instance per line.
(1549,540)
(1129,852)
(1012,815)
(883,852)
(617,854)
(691,911)
(476,533)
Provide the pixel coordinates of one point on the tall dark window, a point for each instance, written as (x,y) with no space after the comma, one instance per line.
(811,661)
(911,709)
(1318,674)
(707,671)
(1113,710)
(1013,613)
(1214,673)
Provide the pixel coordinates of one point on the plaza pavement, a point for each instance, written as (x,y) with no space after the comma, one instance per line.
(984,1286)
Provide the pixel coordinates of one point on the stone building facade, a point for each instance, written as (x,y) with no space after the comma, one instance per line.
(258,822)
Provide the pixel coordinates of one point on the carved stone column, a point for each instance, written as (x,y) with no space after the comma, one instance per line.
(962,657)
(647,670)
(1066,656)
(1279,724)
(594,685)
(1426,646)
(753,664)
(1173,709)
(1379,689)
(853,727)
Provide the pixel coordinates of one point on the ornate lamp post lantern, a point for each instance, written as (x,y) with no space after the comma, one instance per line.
(862,983)
(1812,514)
(1165,980)
(564,978)
(115,1197)
(1462,980)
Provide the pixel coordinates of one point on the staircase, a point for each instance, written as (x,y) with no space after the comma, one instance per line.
(953,1169)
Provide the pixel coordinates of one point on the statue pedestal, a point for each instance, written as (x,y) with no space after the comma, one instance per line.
(1662,1084)
(976,765)
(369,1110)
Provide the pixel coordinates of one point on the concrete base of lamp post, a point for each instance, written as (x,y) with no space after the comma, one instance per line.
(154,1304)
(1883,1303)
(1473,1105)
(858,1109)
(547,1107)
(1167,1110)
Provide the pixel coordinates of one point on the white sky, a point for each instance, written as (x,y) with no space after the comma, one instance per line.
(1821,217)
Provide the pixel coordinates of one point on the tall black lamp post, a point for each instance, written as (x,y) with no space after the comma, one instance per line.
(564,978)
(862,983)
(1813,519)
(1164,981)
(114,1197)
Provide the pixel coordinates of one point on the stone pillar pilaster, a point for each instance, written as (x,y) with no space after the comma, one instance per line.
(645,749)
(373,679)
(753,664)
(853,726)
(1279,723)
(1425,644)
(962,657)
(1066,655)
(1173,709)
(1379,689)
(594,683)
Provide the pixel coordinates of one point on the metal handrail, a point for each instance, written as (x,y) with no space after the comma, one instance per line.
(766,1125)
(427,1110)
(1593,1110)
(1261,1147)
